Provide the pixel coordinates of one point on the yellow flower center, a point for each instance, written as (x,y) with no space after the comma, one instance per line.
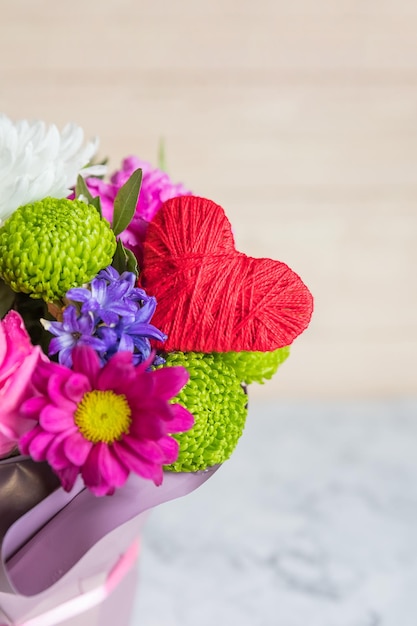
(103,416)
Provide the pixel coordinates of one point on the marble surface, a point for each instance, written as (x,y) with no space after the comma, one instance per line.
(312,523)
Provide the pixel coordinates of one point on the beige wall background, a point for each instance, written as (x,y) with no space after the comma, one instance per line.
(299,117)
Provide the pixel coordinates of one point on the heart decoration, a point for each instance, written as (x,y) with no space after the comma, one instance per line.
(210,297)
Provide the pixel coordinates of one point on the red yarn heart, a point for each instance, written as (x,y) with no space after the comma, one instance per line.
(210,297)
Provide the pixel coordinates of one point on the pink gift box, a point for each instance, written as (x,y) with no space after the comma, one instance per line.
(70,559)
(80,598)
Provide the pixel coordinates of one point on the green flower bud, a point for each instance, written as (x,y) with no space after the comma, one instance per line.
(53,245)
(218,402)
(255,367)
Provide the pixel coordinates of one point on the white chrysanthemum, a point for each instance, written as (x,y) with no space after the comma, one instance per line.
(37,161)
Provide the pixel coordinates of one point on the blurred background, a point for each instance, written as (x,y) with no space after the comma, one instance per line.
(300,119)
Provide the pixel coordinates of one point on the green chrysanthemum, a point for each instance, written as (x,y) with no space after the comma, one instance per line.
(216,399)
(255,367)
(53,245)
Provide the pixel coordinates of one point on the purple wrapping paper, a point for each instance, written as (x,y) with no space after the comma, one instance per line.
(56,545)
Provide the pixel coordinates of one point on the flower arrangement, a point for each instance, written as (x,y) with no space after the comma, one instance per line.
(130,325)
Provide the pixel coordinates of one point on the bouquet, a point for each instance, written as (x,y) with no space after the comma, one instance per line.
(130,330)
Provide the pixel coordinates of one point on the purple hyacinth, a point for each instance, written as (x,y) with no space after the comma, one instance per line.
(110,315)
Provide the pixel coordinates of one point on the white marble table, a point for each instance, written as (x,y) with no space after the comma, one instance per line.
(313,523)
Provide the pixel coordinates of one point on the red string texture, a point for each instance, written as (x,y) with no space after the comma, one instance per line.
(210,297)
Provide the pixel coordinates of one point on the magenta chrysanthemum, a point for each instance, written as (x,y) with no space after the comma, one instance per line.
(156,188)
(104,423)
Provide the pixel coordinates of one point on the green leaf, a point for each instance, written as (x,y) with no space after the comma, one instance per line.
(132,264)
(125,202)
(7,297)
(96,202)
(81,189)
(124,260)
(120,258)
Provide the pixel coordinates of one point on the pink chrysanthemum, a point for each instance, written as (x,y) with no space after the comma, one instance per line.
(104,423)
(157,187)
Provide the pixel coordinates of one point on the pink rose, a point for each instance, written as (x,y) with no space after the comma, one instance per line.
(18,359)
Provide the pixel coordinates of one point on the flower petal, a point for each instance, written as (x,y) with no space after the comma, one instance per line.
(146,426)
(68,476)
(42,161)
(169,381)
(147,449)
(118,373)
(55,454)
(25,440)
(38,446)
(76,386)
(86,361)
(138,464)
(182,419)
(77,448)
(103,471)
(56,387)
(32,407)
(56,420)
(170,448)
